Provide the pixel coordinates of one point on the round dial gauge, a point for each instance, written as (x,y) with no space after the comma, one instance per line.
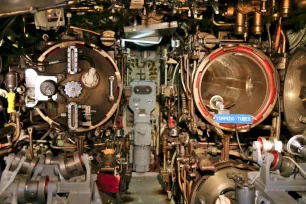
(48,88)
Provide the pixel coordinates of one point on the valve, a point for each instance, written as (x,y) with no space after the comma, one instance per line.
(11,81)
(262,145)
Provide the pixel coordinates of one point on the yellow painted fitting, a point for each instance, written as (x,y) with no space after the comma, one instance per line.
(11,102)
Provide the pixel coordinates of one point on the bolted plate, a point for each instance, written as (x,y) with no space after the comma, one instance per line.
(295,92)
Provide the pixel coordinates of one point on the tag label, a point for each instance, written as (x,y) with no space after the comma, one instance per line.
(233,119)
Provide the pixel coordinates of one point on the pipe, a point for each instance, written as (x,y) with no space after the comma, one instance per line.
(164,161)
(217,130)
(264,127)
(187,73)
(180,182)
(189,189)
(172,163)
(46,134)
(220,24)
(278,34)
(30,131)
(63,147)
(217,41)
(283,50)
(18,129)
(85,30)
(46,118)
(233,144)
(107,169)
(182,78)
(276,125)
(269,37)
(185,185)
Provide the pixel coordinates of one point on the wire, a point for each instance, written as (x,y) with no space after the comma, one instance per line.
(256,177)
(174,73)
(297,165)
(42,63)
(238,140)
(58,13)
(241,150)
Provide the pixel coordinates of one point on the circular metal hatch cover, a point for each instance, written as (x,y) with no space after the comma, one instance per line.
(295,92)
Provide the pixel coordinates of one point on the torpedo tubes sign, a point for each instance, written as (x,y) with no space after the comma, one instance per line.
(233,119)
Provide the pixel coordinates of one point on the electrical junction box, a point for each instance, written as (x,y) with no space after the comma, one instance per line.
(50,19)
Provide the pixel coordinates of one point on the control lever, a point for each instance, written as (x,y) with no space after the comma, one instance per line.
(111,88)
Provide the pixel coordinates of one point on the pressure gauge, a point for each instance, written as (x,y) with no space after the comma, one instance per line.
(48,88)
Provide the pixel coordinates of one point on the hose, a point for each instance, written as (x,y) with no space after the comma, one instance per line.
(226,190)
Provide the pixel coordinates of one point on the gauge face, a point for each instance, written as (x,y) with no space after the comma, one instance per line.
(47,88)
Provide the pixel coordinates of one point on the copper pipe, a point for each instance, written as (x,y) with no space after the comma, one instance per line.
(217,130)
(46,134)
(180,182)
(185,185)
(80,144)
(225,148)
(233,144)
(107,169)
(187,193)
(165,161)
(187,73)
(18,129)
(182,78)
(207,168)
(30,131)
(193,117)
(278,35)
(283,50)
(276,125)
(99,144)
(85,30)
(207,143)
(189,189)
(179,175)
(63,147)
(220,24)
(264,127)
